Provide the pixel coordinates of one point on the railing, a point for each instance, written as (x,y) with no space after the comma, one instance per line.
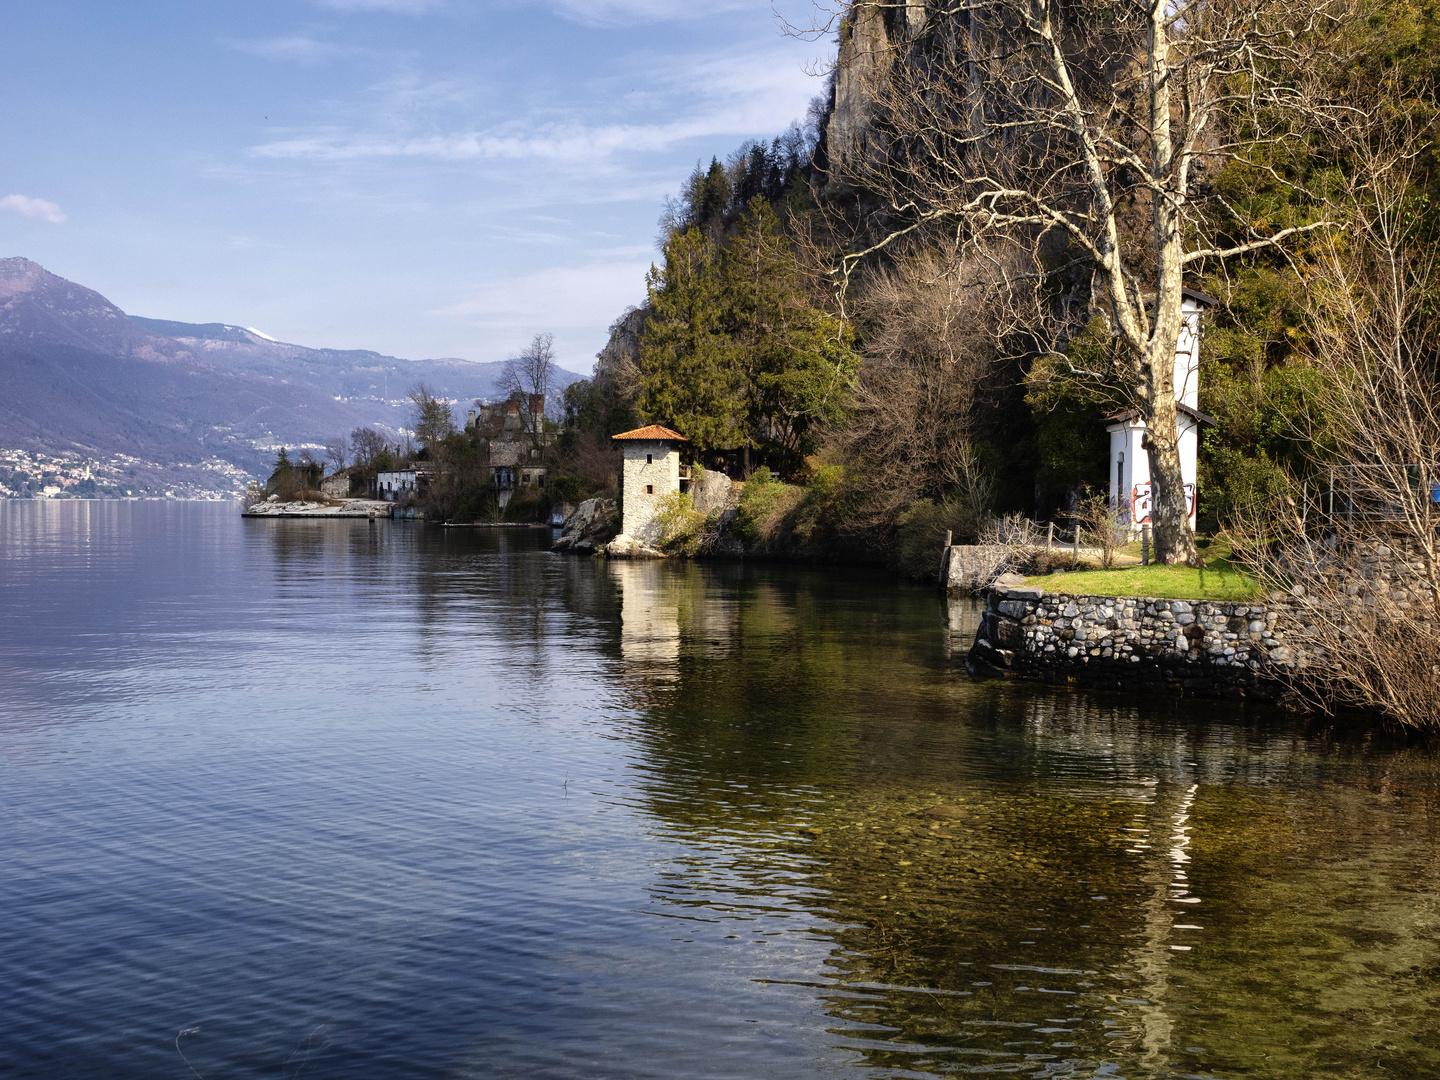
(1346,495)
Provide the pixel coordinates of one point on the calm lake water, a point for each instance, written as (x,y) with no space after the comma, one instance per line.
(355,799)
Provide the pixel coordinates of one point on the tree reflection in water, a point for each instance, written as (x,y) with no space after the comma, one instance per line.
(1018,880)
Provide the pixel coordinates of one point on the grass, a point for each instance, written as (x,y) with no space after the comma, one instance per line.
(1218,579)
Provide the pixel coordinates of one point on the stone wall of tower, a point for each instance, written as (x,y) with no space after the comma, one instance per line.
(651,472)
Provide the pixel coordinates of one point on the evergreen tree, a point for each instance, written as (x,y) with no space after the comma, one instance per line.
(688,377)
(795,361)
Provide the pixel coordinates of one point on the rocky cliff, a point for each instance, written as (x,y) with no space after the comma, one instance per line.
(871,38)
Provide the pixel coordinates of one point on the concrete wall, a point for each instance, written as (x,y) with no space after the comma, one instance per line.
(972,568)
(660,474)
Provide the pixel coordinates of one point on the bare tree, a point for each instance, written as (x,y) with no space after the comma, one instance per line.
(529,376)
(366,444)
(1097,517)
(929,349)
(1358,545)
(431,417)
(337,452)
(1372,318)
(1080,138)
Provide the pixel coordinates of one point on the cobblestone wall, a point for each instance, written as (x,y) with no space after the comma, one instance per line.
(1189,647)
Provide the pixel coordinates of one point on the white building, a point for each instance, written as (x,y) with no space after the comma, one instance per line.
(397,484)
(1129,480)
(651,472)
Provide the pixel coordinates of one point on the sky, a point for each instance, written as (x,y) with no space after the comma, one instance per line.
(425,178)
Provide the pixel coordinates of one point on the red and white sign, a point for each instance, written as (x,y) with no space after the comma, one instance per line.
(1142,502)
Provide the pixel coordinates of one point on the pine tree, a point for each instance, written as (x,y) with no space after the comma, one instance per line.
(796,362)
(689,380)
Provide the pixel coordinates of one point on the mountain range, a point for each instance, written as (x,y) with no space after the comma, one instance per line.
(80,377)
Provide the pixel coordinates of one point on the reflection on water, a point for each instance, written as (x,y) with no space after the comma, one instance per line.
(962,620)
(1021,881)
(375,798)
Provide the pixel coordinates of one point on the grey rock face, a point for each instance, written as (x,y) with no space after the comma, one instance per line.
(715,491)
(592,521)
(864,54)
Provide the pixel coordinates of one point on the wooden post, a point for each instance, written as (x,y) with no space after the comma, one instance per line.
(949,534)
(1075,550)
(1145,545)
(945,560)
(1050,538)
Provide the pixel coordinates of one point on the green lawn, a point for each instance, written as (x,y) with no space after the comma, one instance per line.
(1218,580)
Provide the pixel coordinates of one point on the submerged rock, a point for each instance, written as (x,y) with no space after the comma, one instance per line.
(944,812)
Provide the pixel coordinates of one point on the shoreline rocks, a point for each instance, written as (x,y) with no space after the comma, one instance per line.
(348,508)
(585,530)
(627,547)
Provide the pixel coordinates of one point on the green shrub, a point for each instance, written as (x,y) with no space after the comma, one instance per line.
(682,527)
(524,508)
(822,509)
(758,497)
(474,501)
(567,488)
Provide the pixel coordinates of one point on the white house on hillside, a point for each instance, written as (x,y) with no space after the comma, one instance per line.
(1129,460)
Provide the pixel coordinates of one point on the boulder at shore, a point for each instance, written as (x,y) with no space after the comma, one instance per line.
(592,523)
(627,547)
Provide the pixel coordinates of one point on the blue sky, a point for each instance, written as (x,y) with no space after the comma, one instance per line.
(422,177)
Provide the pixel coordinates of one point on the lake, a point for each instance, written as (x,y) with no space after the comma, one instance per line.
(380,799)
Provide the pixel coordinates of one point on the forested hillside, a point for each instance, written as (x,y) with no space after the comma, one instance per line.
(933,297)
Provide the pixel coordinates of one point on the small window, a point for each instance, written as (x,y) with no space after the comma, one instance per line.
(649,489)
(649,460)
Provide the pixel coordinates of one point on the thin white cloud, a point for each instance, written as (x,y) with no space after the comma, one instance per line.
(569,301)
(573,143)
(33,208)
(296,48)
(735,93)
(400,7)
(609,13)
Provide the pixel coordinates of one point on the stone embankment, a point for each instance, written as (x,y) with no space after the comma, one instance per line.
(1175,647)
(348,508)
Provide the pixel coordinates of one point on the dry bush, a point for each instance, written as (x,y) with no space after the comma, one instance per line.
(1012,530)
(1376,658)
(929,348)
(1099,520)
(1055,561)
(596,460)
(1375,638)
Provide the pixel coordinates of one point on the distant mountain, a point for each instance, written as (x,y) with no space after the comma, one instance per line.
(80,377)
(373,383)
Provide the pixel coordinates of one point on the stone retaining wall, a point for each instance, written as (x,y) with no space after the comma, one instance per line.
(1184,647)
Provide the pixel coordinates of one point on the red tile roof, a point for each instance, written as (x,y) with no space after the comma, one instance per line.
(653,433)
